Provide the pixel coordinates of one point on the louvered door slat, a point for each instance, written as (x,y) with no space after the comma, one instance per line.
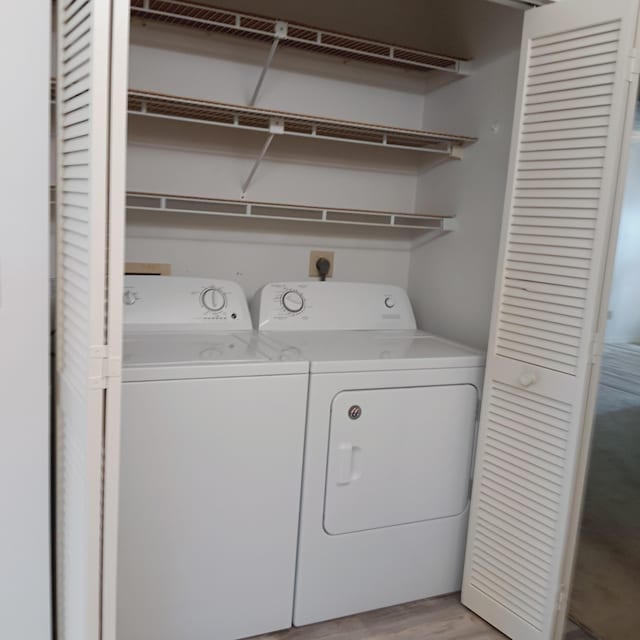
(504,410)
(522,318)
(588,180)
(528,589)
(501,545)
(561,212)
(549,250)
(537,485)
(560,173)
(74,144)
(574,39)
(589,39)
(567,115)
(75,111)
(513,336)
(82,114)
(583,55)
(566,122)
(78,101)
(75,88)
(79,73)
(568,103)
(583,92)
(80,157)
(525,329)
(572,97)
(523,492)
(547,77)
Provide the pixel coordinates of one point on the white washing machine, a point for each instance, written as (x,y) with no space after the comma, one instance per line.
(391,422)
(211,464)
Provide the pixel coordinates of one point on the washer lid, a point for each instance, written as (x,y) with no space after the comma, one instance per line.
(174,355)
(344,351)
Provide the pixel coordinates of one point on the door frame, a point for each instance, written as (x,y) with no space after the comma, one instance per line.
(588,410)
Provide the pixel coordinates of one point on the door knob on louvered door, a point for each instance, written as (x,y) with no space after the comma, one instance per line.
(527,378)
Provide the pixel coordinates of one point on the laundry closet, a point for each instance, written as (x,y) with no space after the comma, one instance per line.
(232,139)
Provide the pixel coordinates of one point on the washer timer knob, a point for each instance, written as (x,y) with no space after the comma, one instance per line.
(389,302)
(293,301)
(213,299)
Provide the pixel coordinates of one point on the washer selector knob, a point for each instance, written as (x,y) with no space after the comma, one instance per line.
(293,301)
(213,299)
(389,302)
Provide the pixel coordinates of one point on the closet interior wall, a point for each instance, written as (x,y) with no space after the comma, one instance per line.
(451,280)
(199,160)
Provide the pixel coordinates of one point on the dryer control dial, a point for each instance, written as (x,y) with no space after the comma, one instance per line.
(213,299)
(293,301)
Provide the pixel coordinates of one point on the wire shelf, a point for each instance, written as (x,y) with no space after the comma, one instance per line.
(153,202)
(292,35)
(270,121)
(163,203)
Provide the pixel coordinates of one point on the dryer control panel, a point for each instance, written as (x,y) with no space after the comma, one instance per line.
(169,301)
(331,306)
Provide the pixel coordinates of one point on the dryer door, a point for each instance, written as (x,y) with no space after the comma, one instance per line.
(398,456)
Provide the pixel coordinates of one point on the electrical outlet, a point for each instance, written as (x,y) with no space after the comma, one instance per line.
(314,256)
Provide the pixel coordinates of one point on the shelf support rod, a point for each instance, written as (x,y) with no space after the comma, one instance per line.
(276,126)
(279,33)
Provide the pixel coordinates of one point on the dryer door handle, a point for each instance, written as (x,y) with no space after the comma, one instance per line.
(349,457)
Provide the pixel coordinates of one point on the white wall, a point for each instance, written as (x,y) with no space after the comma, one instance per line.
(199,160)
(25,607)
(194,246)
(624,323)
(451,280)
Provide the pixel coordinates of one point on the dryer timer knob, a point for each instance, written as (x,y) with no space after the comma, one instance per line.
(293,301)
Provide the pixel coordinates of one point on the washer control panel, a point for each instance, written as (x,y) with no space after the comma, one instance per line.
(165,301)
(331,306)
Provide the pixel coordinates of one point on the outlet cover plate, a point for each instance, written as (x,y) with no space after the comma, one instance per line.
(314,256)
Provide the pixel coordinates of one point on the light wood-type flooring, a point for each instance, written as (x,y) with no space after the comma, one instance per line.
(441,618)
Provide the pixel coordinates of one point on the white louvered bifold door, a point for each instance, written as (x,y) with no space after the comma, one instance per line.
(89,230)
(573,92)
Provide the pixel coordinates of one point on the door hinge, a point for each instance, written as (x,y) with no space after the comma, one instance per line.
(561,600)
(478,409)
(102,366)
(597,346)
(634,65)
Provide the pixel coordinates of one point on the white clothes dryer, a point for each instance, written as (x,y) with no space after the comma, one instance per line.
(211,464)
(391,422)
